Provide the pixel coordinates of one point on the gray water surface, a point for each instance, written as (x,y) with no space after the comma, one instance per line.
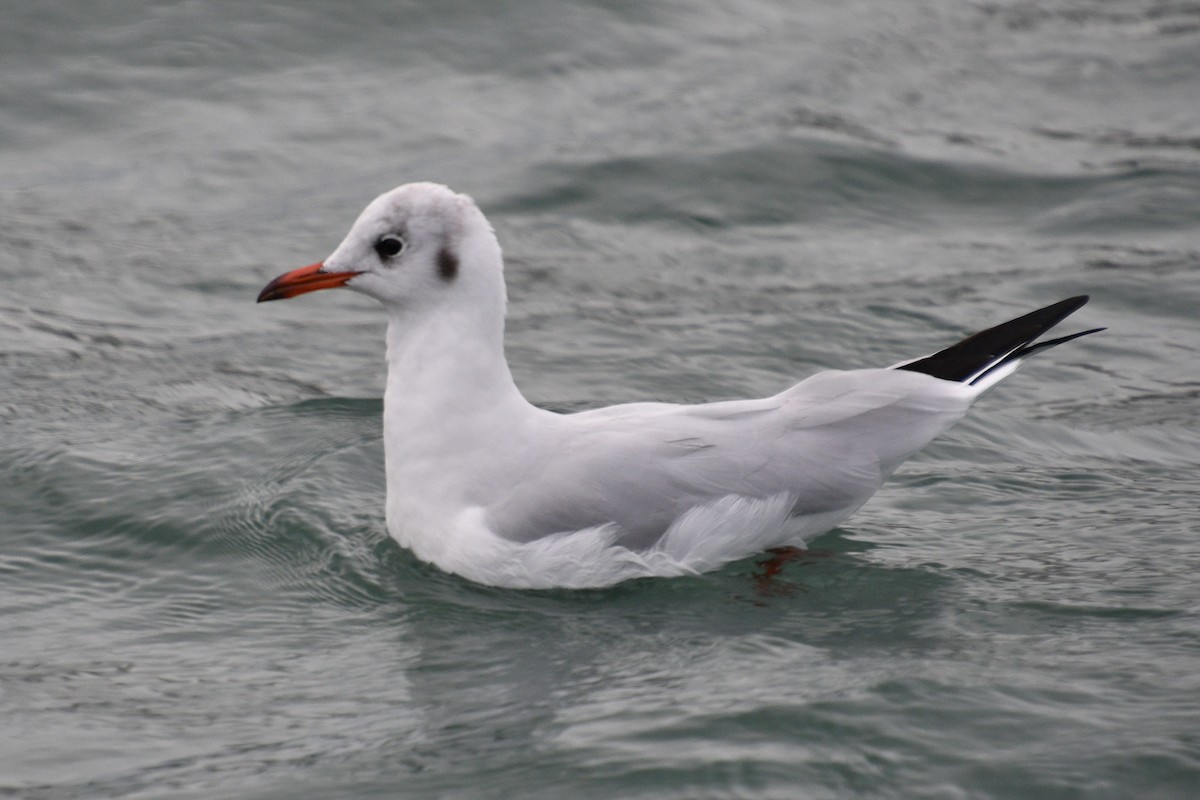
(198,598)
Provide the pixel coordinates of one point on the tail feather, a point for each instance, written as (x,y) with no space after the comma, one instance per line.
(970,360)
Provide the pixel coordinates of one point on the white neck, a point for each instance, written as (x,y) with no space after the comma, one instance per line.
(450,406)
(447,371)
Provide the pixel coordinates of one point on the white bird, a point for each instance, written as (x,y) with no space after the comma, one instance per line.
(484,484)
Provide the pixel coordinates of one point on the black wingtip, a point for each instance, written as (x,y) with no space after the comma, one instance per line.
(979,354)
(1024,351)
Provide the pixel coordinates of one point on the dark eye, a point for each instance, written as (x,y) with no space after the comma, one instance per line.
(389,246)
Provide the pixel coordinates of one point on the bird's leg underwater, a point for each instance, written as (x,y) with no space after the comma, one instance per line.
(772,567)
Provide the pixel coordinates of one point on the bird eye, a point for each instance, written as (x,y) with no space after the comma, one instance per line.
(389,246)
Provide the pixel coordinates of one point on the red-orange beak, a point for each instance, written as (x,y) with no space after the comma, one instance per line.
(305,279)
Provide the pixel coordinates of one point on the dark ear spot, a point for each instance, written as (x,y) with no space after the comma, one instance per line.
(447,264)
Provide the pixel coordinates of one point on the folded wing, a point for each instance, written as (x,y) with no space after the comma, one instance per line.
(826,444)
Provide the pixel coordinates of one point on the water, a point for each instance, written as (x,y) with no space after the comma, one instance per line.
(197,597)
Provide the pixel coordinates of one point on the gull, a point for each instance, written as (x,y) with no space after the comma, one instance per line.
(486,485)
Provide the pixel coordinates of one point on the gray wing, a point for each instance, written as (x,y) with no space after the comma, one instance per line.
(828,442)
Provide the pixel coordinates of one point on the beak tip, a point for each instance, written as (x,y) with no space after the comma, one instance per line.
(271,291)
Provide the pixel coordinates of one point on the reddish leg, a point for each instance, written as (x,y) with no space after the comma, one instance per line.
(772,567)
(780,557)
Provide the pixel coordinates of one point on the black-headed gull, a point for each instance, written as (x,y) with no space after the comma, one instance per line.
(484,484)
